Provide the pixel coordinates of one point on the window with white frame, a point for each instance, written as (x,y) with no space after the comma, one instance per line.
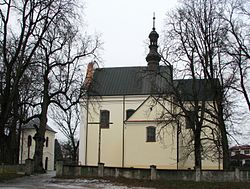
(104,119)
(151,132)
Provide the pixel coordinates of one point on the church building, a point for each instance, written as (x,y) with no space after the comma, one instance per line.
(27,144)
(124,122)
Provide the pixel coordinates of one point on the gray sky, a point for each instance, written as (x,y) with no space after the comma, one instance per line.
(124,26)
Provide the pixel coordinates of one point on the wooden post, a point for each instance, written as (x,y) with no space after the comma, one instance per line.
(59,168)
(100,169)
(197,174)
(237,174)
(153,174)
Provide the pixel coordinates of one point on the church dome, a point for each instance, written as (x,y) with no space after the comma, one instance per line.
(153,35)
(153,58)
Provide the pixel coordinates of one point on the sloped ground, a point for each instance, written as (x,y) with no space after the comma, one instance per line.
(45,181)
(8,176)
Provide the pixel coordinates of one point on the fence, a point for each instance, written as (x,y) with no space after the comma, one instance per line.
(151,174)
(27,168)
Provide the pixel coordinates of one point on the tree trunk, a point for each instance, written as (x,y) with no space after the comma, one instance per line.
(224,140)
(40,134)
(223,131)
(3,121)
(13,148)
(38,156)
(74,156)
(40,139)
(197,149)
(1,142)
(3,138)
(19,131)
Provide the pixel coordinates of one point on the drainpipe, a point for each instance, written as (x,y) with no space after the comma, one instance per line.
(99,144)
(123,129)
(177,146)
(22,148)
(87,125)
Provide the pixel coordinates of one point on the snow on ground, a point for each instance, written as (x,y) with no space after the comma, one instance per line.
(45,181)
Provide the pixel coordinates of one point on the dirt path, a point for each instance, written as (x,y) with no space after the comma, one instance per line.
(45,181)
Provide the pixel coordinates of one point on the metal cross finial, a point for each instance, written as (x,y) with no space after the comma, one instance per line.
(154,21)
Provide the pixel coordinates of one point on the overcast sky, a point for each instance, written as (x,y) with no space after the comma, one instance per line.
(124,26)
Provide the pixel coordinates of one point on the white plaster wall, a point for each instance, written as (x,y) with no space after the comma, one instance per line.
(111,139)
(136,152)
(211,160)
(24,145)
(140,153)
(83,132)
(47,151)
(162,152)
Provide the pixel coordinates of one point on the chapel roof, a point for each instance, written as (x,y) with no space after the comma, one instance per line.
(31,123)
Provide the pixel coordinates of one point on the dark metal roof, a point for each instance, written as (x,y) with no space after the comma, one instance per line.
(141,81)
(129,81)
(199,89)
(31,123)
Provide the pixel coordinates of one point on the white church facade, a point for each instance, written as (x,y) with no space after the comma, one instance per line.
(124,123)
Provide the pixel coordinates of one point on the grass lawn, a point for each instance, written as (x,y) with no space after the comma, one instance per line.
(170,184)
(182,184)
(8,176)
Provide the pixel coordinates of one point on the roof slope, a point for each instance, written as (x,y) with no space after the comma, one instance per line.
(199,89)
(31,123)
(129,81)
(141,81)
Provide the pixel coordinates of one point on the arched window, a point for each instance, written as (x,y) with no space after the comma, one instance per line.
(151,134)
(46,163)
(104,119)
(129,113)
(29,141)
(47,141)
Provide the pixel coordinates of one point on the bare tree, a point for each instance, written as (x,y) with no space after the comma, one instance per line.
(237,16)
(23,25)
(68,123)
(58,58)
(46,41)
(194,44)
